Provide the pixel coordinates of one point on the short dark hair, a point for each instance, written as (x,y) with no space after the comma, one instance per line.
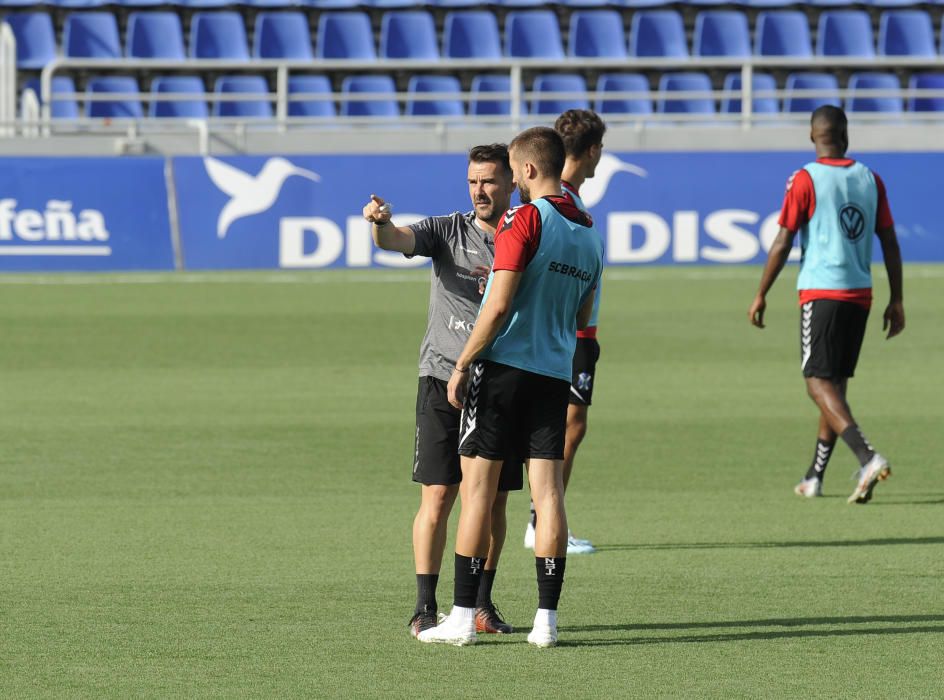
(580,129)
(542,146)
(491,153)
(834,117)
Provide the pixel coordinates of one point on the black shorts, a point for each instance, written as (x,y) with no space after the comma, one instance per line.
(831,334)
(509,411)
(436,451)
(585,370)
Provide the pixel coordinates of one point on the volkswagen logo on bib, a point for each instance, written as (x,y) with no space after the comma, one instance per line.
(852,220)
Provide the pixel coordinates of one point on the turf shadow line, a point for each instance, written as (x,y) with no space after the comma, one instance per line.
(751,636)
(887,541)
(770,622)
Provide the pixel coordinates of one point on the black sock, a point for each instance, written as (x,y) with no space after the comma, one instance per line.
(468,575)
(484,598)
(824,451)
(550,580)
(534,516)
(858,444)
(426,593)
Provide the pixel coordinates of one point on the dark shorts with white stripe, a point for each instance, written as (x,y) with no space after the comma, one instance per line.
(831,334)
(585,371)
(509,411)
(436,452)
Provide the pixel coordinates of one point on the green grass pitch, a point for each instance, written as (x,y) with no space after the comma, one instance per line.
(205,492)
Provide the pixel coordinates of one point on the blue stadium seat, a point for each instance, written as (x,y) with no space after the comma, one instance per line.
(874,81)
(533,34)
(684,82)
(155,35)
(179,84)
(845,33)
(203,4)
(138,3)
(623,82)
(596,33)
(481,104)
(833,3)
(825,83)
(657,33)
(78,4)
(322,5)
(409,34)
(312,85)
(445,107)
(91,35)
(357,84)
(35,38)
(454,3)
(906,33)
(243,85)
(282,35)
(392,4)
(218,35)
(471,34)
(345,35)
(61,109)
(926,81)
(782,33)
(759,105)
(766,3)
(119,108)
(721,33)
(645,3)
(559,82)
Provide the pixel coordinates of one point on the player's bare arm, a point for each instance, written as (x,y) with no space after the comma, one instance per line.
(491,318)
(387,236)
(776,259)
(894,318)
(586,310)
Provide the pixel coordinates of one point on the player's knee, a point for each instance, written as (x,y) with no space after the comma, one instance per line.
(437,502)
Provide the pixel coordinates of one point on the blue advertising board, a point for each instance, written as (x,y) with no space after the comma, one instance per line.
(84,214)
(652,208)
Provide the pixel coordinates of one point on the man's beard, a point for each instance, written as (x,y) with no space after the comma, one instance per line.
(487,213)
(524,194)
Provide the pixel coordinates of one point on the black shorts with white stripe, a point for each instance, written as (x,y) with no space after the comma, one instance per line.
(831,334)
(585,371)
(436,449)
(509,411)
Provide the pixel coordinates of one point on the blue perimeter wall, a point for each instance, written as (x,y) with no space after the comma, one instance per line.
(304,212)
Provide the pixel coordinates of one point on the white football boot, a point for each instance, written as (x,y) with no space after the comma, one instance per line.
(457,629)
(877,469)
(544,632)
(809,488)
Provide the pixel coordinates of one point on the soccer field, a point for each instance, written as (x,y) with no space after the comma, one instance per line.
(205,491)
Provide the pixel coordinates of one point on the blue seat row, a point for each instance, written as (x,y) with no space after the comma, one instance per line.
(308,87)
(411,34)
(348,4)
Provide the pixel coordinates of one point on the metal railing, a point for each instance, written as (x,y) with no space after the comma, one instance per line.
(516,69)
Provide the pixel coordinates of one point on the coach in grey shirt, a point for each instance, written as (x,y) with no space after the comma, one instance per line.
(462,248)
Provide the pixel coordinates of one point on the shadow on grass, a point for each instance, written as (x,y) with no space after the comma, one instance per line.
(878,542)
(903,624)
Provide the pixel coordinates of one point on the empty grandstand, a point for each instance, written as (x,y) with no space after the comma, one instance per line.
(150,75)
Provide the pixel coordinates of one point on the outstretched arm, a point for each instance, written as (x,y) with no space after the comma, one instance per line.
(384,233)
(491,318)
(776,259)
(894,319)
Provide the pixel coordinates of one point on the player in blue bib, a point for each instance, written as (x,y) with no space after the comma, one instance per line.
(513,377)
(836,205)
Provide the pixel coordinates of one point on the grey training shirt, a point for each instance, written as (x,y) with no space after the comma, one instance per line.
(462,256)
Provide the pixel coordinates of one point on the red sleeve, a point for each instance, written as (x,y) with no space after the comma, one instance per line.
(518,238)
(799,202)
(883,215)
